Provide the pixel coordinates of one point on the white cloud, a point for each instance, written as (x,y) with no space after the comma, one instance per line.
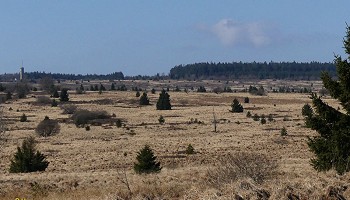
(231,33)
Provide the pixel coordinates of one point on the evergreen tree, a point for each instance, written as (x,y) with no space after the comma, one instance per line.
(144,99)
(55,93)
(146,161)
(332,146)
(163,102)
(236,106)
(137,94)
(27,160)
(113,86)
(64,95)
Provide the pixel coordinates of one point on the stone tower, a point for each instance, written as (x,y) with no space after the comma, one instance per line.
(21,73)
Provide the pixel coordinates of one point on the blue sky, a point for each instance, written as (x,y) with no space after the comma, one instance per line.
(146,37)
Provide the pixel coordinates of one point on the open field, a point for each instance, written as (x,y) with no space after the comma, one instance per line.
(95,164)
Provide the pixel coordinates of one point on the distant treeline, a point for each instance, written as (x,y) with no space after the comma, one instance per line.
(252,70)
(59,76)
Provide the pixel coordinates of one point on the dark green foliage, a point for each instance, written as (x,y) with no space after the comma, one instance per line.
(270,118)
(153,91)
(163,102)
(227,89)
(256,117)
(119,123)
(283,131)
(262,119)
(249,114)
(246,100)
(23,118)
(307,111)
(87,128)
(54,103)
(255,91)
(27,159)
(189,149)
(47,127)
(236,106)
(55,94)
(331,146)
(83,117)
(146,161)
(102,87)
(2,88)
(8,95)
(113,86)
(64,96)
(22,90)
(144,99)
(161,119)
(138,94)
(122,88)
(201,89)
(253,70)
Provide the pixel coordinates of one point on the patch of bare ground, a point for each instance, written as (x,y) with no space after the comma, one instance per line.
(98,164)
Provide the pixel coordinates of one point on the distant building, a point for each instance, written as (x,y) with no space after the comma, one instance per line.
(21,73)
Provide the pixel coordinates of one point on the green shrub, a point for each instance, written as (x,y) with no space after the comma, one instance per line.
(54,103)
(256,117)
(249,114)
(144,99)
(270,118)
(284,131)
(189,149)
(246,100)
(161,119)
(146,161)
(23,118)
(236,106)
(163,102)
(28,159)
(119,123)
(262,119)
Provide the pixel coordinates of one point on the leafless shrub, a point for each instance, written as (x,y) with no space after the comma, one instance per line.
(68,108)
(43,100)
(257,167)
(47,127)
(82,117)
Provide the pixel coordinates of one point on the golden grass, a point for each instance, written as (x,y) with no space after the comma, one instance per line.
(88,164)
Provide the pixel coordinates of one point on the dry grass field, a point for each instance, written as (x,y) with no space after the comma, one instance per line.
(96,164)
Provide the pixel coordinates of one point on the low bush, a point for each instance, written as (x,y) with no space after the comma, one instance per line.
(23,118)
(82,117)
(47,127)
(43,100)
(68,108)
(233,167)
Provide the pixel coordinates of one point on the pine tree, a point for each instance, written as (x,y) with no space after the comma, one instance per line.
(332,146)
(144,99)
(146,161)
(55,94)
(236,106)
(64,95)
(27,160)
(163,102)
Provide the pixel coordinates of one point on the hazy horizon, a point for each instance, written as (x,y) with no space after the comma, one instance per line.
(145,38)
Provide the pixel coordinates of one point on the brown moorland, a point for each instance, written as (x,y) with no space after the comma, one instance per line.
(98,164)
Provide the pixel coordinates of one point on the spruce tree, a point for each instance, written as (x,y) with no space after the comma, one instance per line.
(236,106)
(332,144)
(163,102)
(64,95)
(144,99)
(27,160)
(146,161)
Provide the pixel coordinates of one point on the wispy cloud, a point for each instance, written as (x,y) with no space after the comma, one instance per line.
(232,33)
